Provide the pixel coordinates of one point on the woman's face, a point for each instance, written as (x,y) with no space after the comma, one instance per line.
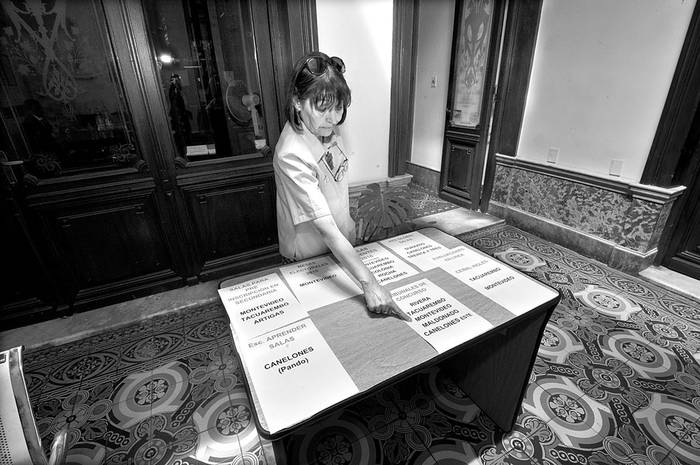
(320,123)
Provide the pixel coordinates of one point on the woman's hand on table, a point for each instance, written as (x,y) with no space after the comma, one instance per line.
(379,300)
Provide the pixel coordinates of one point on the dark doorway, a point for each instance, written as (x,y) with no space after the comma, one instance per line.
(683,252)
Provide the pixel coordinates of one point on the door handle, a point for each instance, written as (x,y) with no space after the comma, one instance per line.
(453,114)
(12,163)
(7,168)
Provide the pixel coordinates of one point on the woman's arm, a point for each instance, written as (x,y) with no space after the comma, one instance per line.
(378,299)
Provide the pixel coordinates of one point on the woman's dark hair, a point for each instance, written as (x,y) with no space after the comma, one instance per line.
(325,90)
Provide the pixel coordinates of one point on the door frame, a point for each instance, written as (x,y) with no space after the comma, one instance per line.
(456,137)
(518,51)
(515,64)
(403,72)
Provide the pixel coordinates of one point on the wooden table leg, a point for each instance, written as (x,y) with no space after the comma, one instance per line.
(280,453)
(495,373)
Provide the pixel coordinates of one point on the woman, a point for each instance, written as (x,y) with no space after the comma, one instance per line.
(313,212)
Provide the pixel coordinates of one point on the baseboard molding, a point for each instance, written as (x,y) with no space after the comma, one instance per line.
(591,246)
(424,177)
(402,180)
(619,222)
(673,281)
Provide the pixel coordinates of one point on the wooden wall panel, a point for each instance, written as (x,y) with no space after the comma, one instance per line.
(234,220)
(111,243)
(461,161)
(104,247)
(26,287)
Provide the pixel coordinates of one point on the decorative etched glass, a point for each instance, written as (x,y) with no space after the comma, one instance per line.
(205,51)
(62,106)
(471,62)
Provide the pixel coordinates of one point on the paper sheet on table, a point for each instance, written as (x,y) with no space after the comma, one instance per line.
(295,374)
(416,248)
(260,305)
(319,282)
(438,317)
(510,289)
(384,265)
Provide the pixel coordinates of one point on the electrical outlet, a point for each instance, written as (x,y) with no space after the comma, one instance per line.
(434,81)
(615,168)
(552,155)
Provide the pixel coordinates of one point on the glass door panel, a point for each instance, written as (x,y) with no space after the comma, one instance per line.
(472,54)
(62,106)
(205,52)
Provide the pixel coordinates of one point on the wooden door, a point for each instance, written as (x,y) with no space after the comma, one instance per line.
(86,209)
(683,252)
(222,119)
(476,41)
(126,171)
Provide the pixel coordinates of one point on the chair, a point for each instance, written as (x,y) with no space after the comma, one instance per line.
(20,443)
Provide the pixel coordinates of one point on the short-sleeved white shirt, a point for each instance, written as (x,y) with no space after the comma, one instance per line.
(306,191)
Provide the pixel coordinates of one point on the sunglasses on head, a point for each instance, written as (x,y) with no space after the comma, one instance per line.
(318,65)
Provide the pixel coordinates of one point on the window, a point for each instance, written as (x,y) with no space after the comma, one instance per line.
(208,71)
(471,62)
(62,106)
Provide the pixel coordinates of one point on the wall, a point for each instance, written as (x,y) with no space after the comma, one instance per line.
(435,24)
(600,77)
(360,32)
(596,92)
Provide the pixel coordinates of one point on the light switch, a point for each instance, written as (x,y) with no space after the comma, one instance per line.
(615,167)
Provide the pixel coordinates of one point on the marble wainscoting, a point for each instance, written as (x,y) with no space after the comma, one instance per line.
(618,223)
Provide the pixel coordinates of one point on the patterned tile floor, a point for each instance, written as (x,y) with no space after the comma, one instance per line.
(424,202)
(616,381)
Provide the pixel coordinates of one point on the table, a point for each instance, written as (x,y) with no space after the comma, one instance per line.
(492,367)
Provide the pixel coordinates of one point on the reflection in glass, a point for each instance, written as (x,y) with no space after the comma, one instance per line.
(206,55)
(471,62)
(62,107)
